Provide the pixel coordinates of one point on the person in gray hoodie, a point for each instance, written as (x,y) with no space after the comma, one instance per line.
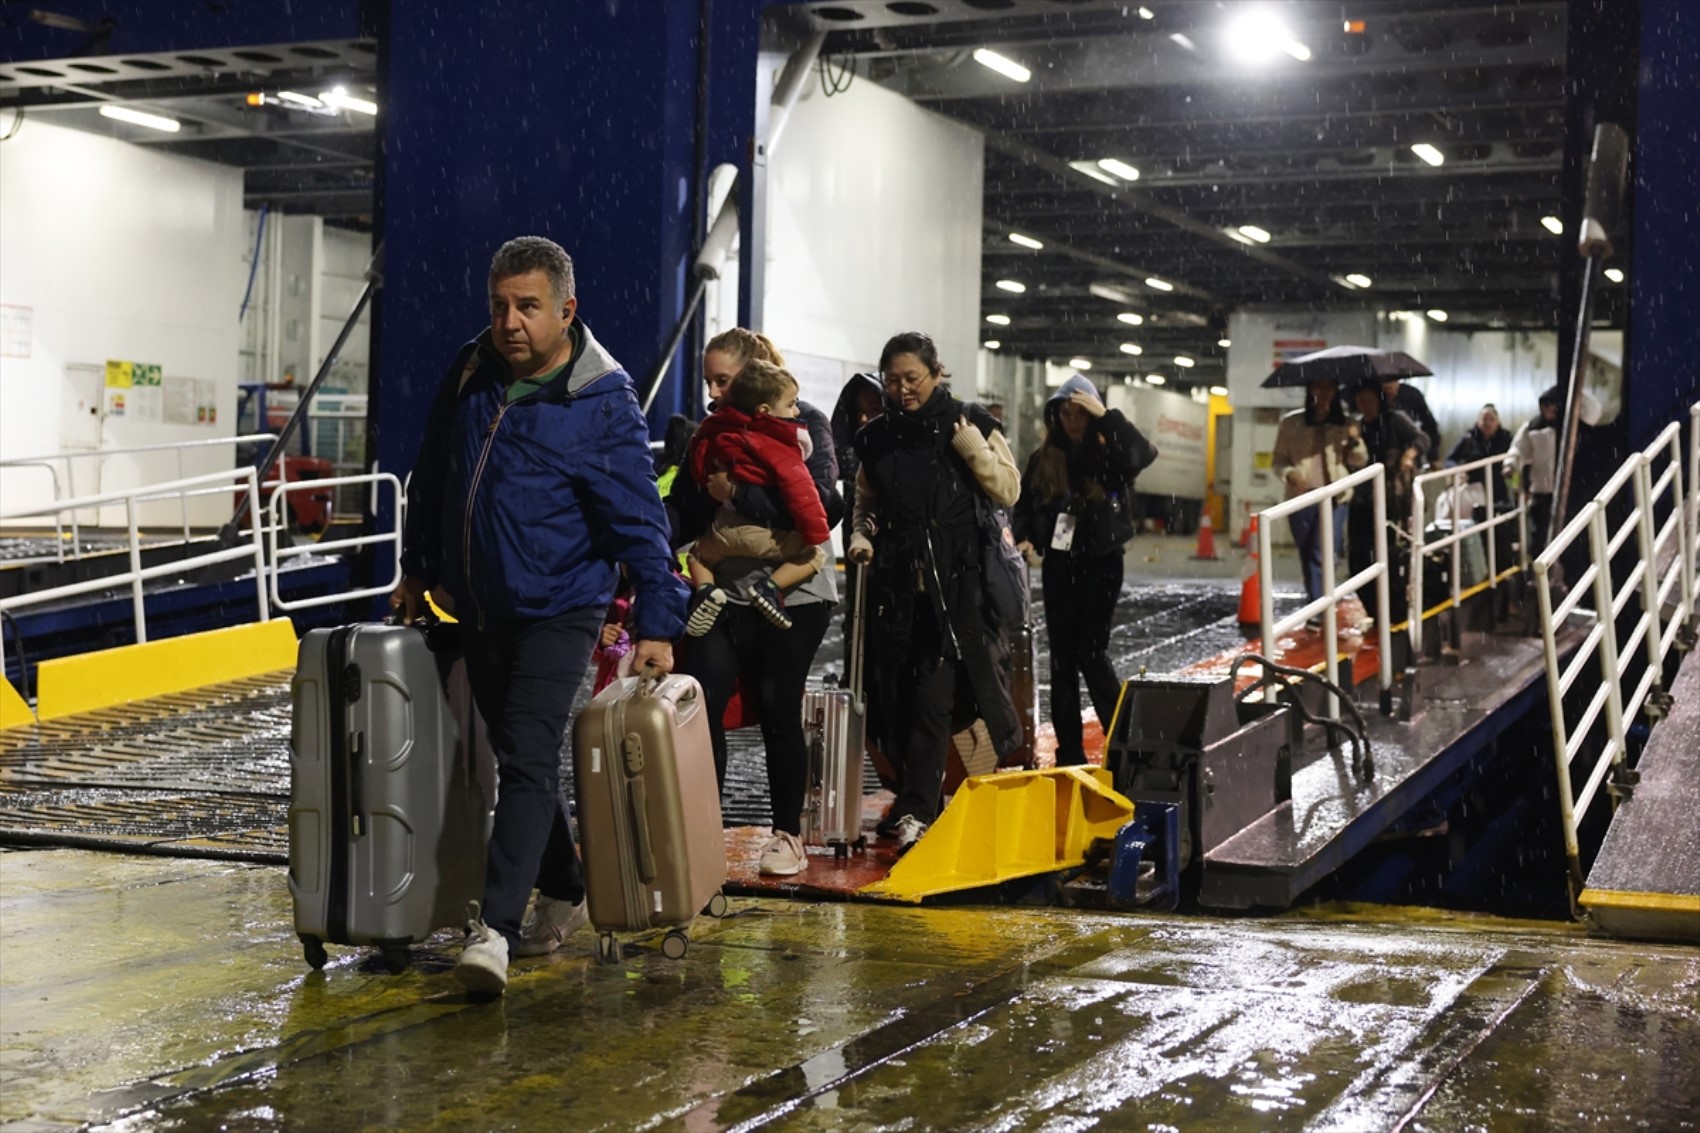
(1314,446)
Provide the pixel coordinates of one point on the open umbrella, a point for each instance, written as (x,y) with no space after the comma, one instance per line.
(1346,364)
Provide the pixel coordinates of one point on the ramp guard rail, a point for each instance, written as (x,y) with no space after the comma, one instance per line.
(375,482)
(1455,490)
(1671,539)
(1332,590)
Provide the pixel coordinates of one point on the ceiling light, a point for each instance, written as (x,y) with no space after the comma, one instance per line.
(1428,153)
(1436,314)
(1025,241)
(141,118)
(1224,343)
(1219,391)
(1615,274)
(1131,348)
(998,320)
(1159,284)
(1111,292)
(1553,225)
(1090,169)
(1180,40)
(1184,362)
(991,344)
(1120,168)
(342,100)
(1156,380)
(1131,319)
(1255,233)
(1358,279)
(1147,14)
(1080,363)
(1006,67)
(1256,36)
(1234,235)
(1011,286)
(295,98)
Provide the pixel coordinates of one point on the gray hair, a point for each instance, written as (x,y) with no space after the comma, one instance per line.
(535,253)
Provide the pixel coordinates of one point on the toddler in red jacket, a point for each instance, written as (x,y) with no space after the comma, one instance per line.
(755,437)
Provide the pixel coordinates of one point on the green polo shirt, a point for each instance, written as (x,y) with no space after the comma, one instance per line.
(525,387)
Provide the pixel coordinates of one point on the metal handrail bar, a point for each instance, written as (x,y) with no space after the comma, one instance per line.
(160,446)
(58,521)
(1456,479)
(1322,499)
(393,537)
(1691,552)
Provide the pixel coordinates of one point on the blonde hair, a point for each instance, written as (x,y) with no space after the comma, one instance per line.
(745,345)
(759,383)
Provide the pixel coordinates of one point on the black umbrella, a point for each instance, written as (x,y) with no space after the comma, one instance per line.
(1346,364)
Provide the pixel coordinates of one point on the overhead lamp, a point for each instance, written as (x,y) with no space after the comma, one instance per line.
(1615,274)
(1080,363)
(1219,391)
(1553,225)
(1184,362)
(1358,279)
(1090,169)
(1156,380)
(141,118)
(296,98)
(1120,168)
(1011,286)
(1224,343)
(342,100)
(1131,348)
(1146,13)
(991,344)
(1255,233)
(1436,314)
(1428,153)
(1131,318)
(1180,40)
(1159,284)
(1025,241)
(1003,65)
(998,320)
(1257,35)
(1111,292)
(1234,234)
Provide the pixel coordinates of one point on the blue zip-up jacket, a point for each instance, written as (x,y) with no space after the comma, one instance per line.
(522,509)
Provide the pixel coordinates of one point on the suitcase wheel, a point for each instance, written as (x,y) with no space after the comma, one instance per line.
(674,945)
(607,949)
(718,906)
(313,949)
(397,959)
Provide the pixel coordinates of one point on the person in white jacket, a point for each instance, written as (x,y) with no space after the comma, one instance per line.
(1535,448)
(1315,446)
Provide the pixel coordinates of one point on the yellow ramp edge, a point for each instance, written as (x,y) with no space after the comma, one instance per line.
(1008,825)
(14,710)
(91,681)
(1625,912)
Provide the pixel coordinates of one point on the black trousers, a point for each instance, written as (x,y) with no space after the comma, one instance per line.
(926,734)
(1080,603)
(775,664)
(524,676)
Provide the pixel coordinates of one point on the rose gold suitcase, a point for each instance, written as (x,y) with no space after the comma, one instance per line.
(648,810)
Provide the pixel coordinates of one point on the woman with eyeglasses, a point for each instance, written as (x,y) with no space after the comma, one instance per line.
(924,462)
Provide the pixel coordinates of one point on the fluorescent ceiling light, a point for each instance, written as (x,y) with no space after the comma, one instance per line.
(1182,41)
(1159,284)
(1553,225)
(1120,168)
(141,118)
(1615,274)
(1156,380)
(1183,361)
(1358,279)
(1428,153)
(1255,233)
(1131,319)
(1090,169)
(1224,343)
(342,100)
(998,320)
(1012,286)
(991,344)
(1004,66)
(1234,235)
(1219,391)
(1080,363)
(1436,314)
(1111,292)
(1257,36)
(1131,348)
(305,101)
(1146,13)
(1025,241)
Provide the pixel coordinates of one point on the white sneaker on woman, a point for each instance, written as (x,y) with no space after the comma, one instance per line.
(784,855)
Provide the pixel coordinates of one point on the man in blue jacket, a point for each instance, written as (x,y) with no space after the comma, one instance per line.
(532,487)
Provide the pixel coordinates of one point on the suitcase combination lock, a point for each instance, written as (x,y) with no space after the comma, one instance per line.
(634,753)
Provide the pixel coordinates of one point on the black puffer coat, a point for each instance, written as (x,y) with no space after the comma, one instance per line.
(1103,465)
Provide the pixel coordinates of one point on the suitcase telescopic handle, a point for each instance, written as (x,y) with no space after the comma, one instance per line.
(857,621)
(636,795)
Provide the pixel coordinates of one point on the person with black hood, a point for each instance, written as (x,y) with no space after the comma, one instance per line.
(1076,511)
(1394,440)
(861,400)
(1315,446)
(1535,447)
(928,466)
(1409,400)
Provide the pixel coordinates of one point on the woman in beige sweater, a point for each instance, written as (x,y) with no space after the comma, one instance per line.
(1315,446)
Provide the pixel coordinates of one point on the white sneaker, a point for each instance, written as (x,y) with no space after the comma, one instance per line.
(909,831)
(784,856)
(483,965)
(549,925)
(705,610)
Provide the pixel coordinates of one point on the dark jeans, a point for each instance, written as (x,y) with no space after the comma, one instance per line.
(775,664)
(926,734)
(1307,534)
(524,676)
(1540,515)
(1080,603)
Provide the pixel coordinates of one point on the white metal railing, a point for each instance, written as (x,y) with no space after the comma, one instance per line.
(1455,492)
(1644,582)
(1693,555)
(376,481)
(1332,590)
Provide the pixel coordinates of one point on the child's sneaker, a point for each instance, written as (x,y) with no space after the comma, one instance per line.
(765,596)
(706,605)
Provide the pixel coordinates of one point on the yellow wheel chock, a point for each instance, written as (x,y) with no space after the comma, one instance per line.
(1008,825)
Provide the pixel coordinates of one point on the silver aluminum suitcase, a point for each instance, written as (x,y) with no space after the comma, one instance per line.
(835,728)
(391,799)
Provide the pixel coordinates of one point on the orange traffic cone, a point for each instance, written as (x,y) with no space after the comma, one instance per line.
(1206,539)
(1251,593)
(1247,527)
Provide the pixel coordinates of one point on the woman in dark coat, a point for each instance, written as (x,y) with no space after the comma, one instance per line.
(1075,510)
(926,465)
(1393,440)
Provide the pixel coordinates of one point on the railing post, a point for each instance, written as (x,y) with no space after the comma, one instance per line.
(1330,624)
(1266,588)
(1555,707)
(1599,543)
(1645,540)
(259,547)
(137,588)
(1383,583)
(1414,616)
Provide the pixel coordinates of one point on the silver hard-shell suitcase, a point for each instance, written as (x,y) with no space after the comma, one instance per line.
(835,730)
(391,798)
